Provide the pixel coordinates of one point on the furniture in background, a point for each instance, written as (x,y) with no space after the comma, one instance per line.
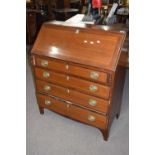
(36,15)
(64,11)
(40,11)
(77,4)
(122,17)
(79,76)
(31,27)
(31,24)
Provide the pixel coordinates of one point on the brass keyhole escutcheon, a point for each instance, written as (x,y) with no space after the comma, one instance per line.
(68,91)
(67,67)
(77,31)
(67,78)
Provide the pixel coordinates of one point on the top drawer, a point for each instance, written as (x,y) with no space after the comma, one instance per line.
(73,70)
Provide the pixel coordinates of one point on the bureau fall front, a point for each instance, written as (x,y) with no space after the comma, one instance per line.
(77,75)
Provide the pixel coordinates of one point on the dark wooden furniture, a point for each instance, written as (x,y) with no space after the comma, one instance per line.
(63,10)
(77,74)
(65,13)
(121,18)
(35,15)
(31,26)
(31,23)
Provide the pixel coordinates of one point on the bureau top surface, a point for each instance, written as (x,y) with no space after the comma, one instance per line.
(87,46)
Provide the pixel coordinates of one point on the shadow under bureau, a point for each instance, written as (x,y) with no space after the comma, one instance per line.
(76,73)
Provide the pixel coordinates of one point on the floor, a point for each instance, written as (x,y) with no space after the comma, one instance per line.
(52,134)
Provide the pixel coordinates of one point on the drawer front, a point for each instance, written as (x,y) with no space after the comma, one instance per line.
(74,83)
(73,96)
(72,111)
(73,70)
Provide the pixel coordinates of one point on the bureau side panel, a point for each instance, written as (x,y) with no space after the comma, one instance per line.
(117,93)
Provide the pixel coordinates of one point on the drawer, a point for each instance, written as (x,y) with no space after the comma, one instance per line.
(74,83)
(73,96)
(72,111)
(73,70)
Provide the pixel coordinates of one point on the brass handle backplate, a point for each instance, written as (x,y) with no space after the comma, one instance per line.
(46,74)
(47,102)
(44,63)
(94,75)
(93,88)
(47,88)
(91,118)
(92,102)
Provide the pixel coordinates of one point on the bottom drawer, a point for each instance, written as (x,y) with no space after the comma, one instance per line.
(72,111)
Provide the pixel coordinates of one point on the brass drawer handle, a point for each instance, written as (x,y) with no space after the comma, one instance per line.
(47,88)
(47,102)
(94,75)
(91,118)
(44,63)
(92,102)
(46,74)
(93,88)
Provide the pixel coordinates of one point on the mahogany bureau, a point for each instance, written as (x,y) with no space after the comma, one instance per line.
(77,75)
